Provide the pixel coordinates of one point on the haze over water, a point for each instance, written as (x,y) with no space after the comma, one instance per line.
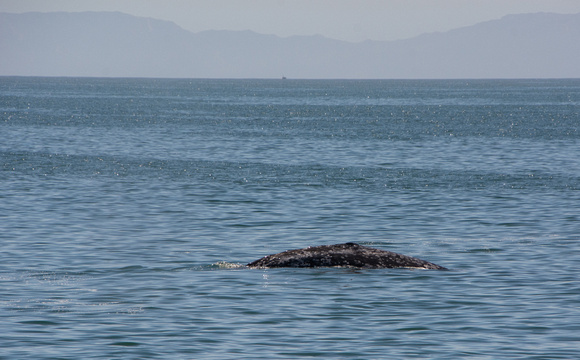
(126,206)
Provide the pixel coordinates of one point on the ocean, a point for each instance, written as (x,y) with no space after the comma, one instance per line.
(128,208)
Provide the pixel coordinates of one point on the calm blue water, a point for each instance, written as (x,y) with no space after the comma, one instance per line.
(126,204)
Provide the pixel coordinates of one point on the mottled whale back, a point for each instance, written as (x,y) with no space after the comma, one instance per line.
(343,255)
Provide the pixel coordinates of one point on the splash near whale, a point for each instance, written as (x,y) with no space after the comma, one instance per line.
(342,255)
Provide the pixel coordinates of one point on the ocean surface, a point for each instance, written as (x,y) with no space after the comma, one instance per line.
(128,207)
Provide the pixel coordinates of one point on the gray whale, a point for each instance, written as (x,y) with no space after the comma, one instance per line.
(342,255)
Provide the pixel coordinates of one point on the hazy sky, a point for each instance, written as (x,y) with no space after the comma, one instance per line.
(351,20)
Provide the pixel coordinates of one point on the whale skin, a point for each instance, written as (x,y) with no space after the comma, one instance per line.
(342,255)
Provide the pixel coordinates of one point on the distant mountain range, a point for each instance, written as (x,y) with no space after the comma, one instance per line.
(110,44)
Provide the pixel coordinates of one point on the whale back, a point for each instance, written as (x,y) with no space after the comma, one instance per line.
(342,255)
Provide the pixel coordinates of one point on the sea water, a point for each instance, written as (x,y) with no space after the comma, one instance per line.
(128,207)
